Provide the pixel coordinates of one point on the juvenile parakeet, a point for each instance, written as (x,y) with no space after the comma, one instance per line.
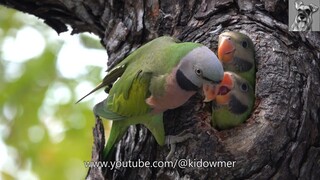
(236,52)
(233,102)
(162,74)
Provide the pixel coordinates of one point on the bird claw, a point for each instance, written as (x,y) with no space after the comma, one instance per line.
(172,140)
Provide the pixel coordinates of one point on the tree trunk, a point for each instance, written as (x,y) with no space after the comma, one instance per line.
(280,140)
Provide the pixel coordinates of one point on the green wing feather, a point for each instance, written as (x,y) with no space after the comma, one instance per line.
(129,99)
(113,75)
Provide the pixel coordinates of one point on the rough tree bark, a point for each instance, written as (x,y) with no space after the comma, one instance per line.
(281,138)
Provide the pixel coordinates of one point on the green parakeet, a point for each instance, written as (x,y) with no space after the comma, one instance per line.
(236,52)
(233,102)
(162,74)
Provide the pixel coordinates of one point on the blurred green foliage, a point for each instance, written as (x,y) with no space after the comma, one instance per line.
(45,135)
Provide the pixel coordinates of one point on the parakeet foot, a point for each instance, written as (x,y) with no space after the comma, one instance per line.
(172,140)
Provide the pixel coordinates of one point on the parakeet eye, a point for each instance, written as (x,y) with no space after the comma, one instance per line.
(198,72)
(244,44)
(244,87)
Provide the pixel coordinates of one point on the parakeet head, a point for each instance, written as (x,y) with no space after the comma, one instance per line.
(233,103)
(236,93)
(199,67)
(236,48)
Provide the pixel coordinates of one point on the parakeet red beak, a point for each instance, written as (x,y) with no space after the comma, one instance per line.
(223,96)
(226,49)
